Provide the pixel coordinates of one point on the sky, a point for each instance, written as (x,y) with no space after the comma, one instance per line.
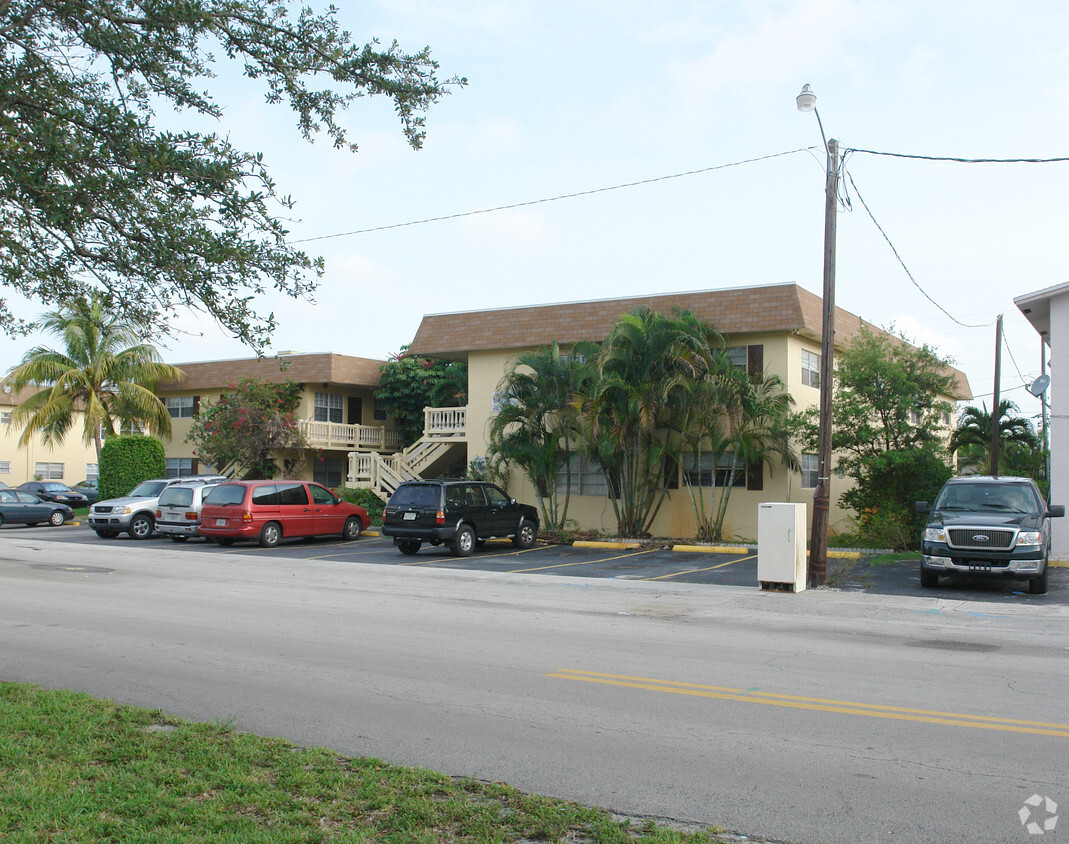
(569,97)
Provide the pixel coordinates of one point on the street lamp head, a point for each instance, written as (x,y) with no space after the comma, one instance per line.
(807,100)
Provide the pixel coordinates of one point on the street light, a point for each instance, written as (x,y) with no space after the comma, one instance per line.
(818,543)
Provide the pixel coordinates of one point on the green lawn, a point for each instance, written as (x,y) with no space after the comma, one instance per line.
(77,769)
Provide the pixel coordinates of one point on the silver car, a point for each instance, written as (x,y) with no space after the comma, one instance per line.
(135,513)
(178,510)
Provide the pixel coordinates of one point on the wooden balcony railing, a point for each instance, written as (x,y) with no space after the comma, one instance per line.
(336,435)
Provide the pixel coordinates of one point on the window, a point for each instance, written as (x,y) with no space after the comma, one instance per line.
(380,411)
(701,472)
(496,496)
(182,407)
(573,358)
(810,369)
(500,400)
(810,471)
(587,477)
(321,496)
(328,408)
(92,472)
(915,417)
(5,418)
(48,471)
(737,356)
(181,467)
(292,494)
(5,467)
(328,471)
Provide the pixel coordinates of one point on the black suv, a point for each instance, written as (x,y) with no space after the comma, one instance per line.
(985,525)
(461,513)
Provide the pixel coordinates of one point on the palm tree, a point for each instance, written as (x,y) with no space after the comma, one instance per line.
(538,422)
(632,415)
(1018,440)
(103,371)
(741,417)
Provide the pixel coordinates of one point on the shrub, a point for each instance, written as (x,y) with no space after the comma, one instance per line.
(366,499)
(127,461)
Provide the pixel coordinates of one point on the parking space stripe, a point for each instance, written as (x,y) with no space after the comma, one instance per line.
(583,562)
(696,571)
(870,710)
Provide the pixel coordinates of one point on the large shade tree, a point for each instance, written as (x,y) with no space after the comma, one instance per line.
(102,371)
(95,196)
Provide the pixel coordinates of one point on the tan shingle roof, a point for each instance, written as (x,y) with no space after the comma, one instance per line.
(740,310)
(305,368)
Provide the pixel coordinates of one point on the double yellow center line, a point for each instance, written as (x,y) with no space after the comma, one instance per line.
(843,707)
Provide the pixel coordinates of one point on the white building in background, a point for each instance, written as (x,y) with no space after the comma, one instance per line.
(1048,311)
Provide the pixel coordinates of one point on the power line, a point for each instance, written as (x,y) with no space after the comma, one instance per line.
(554,198)
(961,160)
(903,263)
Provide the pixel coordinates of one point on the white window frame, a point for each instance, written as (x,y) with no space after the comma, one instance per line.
(738,356)
(810,471)
(329,407)
(92,471)
(48,471)
(5,467)
(179,467)
(703,474)
(810,368)
(180,407)
(587,477)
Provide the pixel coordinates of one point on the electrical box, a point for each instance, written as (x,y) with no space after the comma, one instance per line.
(781,546)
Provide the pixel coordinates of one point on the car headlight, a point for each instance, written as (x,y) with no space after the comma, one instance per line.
(935,535)
(1029,537)
(125,511)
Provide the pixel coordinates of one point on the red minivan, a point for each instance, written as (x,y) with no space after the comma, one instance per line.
(269,511)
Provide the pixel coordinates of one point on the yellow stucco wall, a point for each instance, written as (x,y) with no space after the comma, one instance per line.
(75,456)
(782,356)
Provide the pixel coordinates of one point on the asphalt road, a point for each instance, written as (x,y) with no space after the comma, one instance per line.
(828,716)
(876,575)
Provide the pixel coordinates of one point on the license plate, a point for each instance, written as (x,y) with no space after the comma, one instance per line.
(410,517)
(220,522)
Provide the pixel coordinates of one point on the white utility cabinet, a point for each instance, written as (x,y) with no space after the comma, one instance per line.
(781,546)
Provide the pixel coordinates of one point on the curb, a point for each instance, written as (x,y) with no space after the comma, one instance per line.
(620,545)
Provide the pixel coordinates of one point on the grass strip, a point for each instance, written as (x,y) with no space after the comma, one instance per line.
(74,768)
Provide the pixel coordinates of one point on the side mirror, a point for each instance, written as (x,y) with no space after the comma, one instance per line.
(921,507)
(1056,511)
(512,501)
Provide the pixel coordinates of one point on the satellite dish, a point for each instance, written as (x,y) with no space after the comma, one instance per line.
(1039,386)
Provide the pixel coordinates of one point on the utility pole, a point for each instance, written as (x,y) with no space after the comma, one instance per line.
(995,400)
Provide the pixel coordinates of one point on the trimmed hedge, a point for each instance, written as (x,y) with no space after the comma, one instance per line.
(127,461)
(366,499)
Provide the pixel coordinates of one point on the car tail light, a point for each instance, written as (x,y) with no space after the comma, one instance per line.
(246,516)
(439,517)
(191,516)
(158,514)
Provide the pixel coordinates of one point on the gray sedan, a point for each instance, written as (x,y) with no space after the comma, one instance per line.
(18,507)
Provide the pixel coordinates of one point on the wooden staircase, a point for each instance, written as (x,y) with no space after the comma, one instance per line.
(444,438)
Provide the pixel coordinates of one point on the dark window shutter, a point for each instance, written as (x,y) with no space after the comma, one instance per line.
(196,405)
(194,466)
(755,473)
(671,473)
(755,360)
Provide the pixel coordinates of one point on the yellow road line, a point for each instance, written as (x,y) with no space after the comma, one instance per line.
(871,710)
(695,571)
(582,562)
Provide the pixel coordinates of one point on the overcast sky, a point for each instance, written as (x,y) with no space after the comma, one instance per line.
(567,97)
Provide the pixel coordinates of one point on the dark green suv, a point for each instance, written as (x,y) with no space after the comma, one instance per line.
(459,513)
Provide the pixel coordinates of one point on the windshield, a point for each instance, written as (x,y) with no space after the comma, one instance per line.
(977,497)
(415,495)
(53,486)
(226,494)
(176,496)
(148,489)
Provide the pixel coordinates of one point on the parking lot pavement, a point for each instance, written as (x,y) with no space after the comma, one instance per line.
(888,575)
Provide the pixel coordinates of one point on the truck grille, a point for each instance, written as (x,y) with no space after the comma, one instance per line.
(981,539)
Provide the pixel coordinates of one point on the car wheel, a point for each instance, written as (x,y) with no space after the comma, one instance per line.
(526,535)
(107,534)
(464,541)
(141,527)
(409,546)
(929,579)
(270,535)
(352,528)
(56,519)
(224,541)
(179,538)
(1038,585)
